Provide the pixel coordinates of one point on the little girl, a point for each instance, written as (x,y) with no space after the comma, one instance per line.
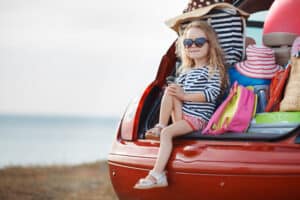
(192,100)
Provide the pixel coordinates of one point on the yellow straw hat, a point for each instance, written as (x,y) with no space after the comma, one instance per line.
(197,9)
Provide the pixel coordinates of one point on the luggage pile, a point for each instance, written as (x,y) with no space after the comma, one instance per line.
(270,72)
(282,113)
(277,104)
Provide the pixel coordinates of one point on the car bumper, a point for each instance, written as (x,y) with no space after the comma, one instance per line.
(206,180)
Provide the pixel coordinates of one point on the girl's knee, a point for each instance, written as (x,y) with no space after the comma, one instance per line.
(166,95)
(165,134)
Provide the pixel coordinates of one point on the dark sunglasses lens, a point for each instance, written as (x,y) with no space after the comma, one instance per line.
(188,43)
(199,42)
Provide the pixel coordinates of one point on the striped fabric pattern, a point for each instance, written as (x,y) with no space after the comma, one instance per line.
(198,80)
(228,25)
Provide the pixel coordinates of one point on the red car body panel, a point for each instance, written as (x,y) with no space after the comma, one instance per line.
(210,170)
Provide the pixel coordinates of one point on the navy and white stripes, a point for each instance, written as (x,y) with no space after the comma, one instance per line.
(229,26)
(198,80)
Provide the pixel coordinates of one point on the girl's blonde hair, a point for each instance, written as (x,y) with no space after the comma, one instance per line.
(215,54)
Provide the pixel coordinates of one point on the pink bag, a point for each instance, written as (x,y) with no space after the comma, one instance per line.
(234,114)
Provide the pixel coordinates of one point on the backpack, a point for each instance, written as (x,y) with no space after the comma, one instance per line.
(234,114)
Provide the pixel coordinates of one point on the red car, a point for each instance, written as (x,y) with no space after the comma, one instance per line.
(257,165)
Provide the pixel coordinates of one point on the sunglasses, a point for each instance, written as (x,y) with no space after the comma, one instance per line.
(199,42)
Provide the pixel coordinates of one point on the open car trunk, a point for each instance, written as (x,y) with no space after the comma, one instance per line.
(265,132)
(256,132)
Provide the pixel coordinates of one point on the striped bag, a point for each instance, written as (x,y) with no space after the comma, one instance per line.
(229,26)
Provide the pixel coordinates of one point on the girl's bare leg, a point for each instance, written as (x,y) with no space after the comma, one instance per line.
(166,109)
(177,110)
(170,105)
(176,129)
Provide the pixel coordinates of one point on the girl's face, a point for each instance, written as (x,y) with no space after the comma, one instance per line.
(196,51)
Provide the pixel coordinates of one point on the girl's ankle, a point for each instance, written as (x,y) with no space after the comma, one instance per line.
(160,125)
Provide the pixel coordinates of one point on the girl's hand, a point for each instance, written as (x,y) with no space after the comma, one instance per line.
(175,90)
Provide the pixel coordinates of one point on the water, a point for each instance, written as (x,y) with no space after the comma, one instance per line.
(40,140)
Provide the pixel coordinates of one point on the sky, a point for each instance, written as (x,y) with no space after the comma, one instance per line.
(80,57)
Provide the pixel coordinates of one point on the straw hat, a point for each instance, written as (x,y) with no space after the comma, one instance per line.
(260,63)
(197,9)
(195,4)
(291,100)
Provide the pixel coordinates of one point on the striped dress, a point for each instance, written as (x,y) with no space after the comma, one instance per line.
(198,80)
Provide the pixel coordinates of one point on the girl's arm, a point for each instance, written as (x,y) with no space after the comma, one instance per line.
(176,90)
(195,97)
(211,92)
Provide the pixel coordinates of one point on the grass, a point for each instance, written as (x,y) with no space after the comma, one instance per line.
(86,181)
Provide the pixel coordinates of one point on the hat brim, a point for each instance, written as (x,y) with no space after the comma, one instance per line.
(263,72)
(174,23)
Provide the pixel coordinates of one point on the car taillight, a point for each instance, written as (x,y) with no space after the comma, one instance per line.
(127,126)
(130,121)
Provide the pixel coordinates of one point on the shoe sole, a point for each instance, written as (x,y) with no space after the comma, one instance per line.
(152,137)
(150,187)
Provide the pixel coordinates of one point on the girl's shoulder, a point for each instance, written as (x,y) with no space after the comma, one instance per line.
(200,69)
(207,70)
(214,70)
(214,73)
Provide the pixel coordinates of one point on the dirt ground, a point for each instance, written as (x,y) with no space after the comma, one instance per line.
(83,182)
